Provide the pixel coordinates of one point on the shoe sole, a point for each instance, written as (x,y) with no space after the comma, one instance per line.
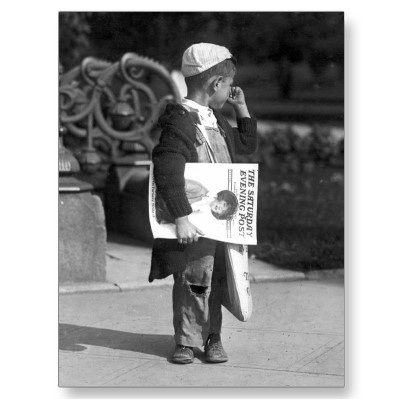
(216,360)
(181,361)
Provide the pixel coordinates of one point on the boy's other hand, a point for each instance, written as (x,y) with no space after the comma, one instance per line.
(237,100)
(186,231)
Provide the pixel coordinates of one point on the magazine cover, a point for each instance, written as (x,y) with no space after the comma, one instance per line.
(223,199)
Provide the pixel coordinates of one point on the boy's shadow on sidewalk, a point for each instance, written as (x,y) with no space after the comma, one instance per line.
(74,337)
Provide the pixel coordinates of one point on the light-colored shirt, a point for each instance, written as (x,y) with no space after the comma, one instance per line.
(206,114)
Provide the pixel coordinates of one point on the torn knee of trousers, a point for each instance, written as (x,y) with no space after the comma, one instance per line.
(196,289)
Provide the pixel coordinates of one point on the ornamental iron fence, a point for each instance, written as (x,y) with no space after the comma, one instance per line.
(109,111)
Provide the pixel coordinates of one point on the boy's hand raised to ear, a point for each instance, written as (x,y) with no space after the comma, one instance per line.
(237,100)
(186,231)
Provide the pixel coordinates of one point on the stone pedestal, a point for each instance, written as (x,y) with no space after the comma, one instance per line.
(82,238)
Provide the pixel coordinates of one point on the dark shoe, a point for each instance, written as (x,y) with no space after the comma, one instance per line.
(215,353)
(183,355)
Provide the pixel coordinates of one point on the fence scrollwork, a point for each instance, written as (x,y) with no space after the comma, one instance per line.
(111,109)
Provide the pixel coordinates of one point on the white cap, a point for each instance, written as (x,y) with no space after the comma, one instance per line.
(202,56)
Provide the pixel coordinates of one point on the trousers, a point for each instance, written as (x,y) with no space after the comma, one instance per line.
(198,294)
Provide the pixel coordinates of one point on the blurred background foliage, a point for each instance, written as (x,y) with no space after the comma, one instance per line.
(272,40)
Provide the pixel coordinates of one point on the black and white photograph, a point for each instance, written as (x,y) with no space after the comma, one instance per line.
(123,98)
(142,98)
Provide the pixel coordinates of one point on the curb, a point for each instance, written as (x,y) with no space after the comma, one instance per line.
(113,287)
(288,277)
(75,288)
(325,274)
(108,287)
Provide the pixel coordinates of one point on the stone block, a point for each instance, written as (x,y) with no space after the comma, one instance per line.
(82,238)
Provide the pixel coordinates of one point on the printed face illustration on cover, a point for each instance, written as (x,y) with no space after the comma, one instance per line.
(222,206)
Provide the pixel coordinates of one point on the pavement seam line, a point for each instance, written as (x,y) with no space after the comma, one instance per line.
(125,373)
(323,353)
(241,366)
(318,349)
(286,331)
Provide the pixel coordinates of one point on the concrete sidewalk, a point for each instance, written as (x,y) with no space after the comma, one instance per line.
(111,335)
(128,263)
(294,338)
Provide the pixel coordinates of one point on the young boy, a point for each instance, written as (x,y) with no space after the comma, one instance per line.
(196,131)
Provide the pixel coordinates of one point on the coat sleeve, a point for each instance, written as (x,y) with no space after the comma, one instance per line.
(243,139)
(245,135)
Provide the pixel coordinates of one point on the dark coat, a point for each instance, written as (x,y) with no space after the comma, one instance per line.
(177,146)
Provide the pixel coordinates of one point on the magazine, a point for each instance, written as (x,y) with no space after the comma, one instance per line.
(223,198)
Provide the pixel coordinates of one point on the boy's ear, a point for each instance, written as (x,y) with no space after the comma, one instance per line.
(216,83)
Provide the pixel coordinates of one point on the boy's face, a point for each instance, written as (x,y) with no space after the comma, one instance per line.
(219,206)
(221,95)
